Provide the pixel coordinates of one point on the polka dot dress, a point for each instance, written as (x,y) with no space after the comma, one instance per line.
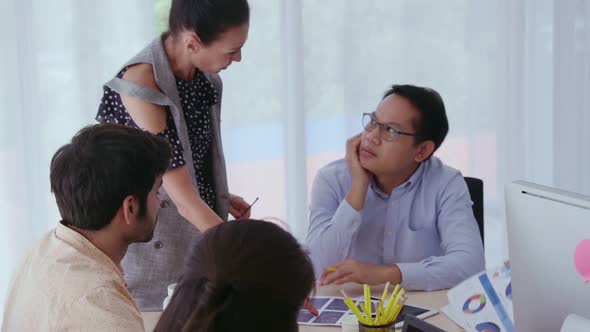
(196,97)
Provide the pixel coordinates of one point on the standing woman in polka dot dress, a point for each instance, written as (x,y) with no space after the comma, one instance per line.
(172,89)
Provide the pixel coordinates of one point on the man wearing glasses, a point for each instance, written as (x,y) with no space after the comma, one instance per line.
(390,211)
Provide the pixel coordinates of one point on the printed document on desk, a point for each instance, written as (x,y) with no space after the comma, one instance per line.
(483,302)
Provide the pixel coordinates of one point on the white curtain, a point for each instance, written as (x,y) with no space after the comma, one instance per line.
(55,55)
(514,76)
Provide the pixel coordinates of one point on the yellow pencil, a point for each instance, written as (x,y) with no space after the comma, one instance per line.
(391,303)
(368,309)
(380,307)
(355,310)
(384,296)
(398,305)
(330,269)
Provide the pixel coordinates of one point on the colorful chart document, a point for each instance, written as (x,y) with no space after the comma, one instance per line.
(483,303)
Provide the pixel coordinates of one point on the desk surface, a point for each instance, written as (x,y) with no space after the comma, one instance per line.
(433,300)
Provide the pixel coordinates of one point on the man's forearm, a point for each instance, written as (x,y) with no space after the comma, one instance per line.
(392,274)
(356,195)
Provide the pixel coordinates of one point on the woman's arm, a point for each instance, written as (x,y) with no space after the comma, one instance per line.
(177,182)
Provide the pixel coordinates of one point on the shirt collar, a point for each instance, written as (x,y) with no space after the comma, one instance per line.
(86,248)
(402,188)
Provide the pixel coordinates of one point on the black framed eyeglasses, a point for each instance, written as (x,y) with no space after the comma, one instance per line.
(388,133)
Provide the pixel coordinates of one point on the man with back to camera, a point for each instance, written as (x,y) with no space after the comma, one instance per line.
(390,211)
(106,183)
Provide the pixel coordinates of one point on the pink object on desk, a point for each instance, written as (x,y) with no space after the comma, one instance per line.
(582,259)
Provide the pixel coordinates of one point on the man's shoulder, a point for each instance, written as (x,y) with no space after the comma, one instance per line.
(335,174)
(52,277)
(102,308)
(107,296)
(439,173)
(99,298)
(337,168)
(65,270)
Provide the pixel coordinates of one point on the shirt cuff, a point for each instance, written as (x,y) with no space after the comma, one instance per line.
(413,276)
(347,218)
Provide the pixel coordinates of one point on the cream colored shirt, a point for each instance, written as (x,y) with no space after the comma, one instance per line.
(65,283)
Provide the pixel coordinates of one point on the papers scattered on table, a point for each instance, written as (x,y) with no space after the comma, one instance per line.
(331,311)
(483,302)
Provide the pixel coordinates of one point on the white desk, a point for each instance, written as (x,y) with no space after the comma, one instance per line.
(434,300)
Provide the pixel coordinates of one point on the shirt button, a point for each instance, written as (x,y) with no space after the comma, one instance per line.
(158,245)
(164,204)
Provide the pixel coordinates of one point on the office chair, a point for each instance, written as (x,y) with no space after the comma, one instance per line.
(475,187)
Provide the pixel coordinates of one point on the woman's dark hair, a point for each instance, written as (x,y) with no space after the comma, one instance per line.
(91,176)
(433,124)
(207,18)
(245,275)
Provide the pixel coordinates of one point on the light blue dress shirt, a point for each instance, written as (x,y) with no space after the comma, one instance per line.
(426,226)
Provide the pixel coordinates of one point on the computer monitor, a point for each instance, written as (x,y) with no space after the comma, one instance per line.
(546,230)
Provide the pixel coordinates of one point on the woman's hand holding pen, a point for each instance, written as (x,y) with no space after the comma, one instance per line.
(239,208)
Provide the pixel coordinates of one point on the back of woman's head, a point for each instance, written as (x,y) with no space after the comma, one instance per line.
(245,275)
(207,18)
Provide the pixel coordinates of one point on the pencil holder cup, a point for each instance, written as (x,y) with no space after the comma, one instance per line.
(375,328)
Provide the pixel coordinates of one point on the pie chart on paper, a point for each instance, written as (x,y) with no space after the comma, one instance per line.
(474,304)
(487,327)
(509,291)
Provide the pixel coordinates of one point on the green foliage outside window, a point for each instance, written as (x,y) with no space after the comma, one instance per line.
(161,8)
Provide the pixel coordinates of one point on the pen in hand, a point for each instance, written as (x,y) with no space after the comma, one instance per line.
(249,207)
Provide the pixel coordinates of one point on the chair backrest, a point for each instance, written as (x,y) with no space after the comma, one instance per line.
(475,187)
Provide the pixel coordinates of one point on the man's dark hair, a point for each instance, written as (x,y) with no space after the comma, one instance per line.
(207,18)
(433,124)
(242,275)
(91,176)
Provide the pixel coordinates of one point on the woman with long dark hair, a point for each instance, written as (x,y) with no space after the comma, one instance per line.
(245,275)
